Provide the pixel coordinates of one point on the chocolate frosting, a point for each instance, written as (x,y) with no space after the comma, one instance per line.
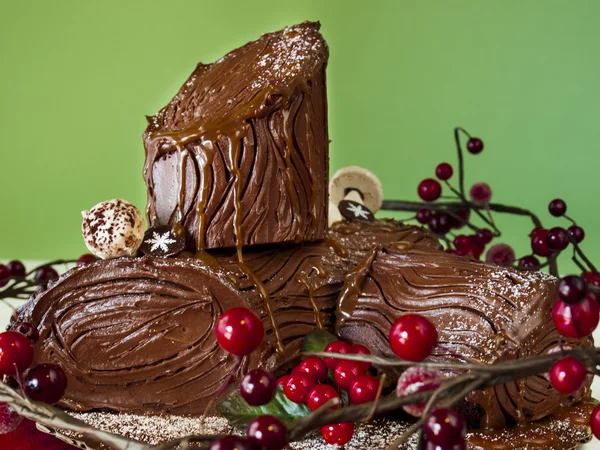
(483,314)
(360,238)
(240,155)
(136,334)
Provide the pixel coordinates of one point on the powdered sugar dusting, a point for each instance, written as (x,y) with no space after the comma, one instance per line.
(154,429)
(292,53)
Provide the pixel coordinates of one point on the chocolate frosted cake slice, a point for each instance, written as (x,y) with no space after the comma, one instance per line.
(484,314)
(240,155)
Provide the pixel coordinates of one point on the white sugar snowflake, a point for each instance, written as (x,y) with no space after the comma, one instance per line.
(161,241)
(358,211)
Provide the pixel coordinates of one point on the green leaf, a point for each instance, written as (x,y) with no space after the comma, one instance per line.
(317,340)
(239,413)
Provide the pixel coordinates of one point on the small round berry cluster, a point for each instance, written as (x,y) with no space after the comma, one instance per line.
(447,217)
(44,383)
(16,282)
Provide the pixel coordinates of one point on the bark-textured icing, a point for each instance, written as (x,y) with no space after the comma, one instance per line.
(483,314)
(136,334)
(240,155)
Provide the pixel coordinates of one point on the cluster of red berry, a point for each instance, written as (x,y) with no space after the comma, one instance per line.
(240,332)
(316,381)
(575,314)
(16,272)
(547,243)
(45,382)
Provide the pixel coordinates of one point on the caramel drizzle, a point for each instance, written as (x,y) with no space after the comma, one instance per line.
(289,169)
(321,272)
(336,246)
(183,156)
(234,155)
(300,278)
(204,162)
(313,181)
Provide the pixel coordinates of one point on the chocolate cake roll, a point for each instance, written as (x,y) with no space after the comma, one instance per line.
(240,155)
(483,314)
(137,334)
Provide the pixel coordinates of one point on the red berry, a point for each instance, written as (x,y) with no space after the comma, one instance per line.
(239,331)
(444,426)
(86,259)
(321,394)
(363,389)
(4,275)
(413,337)
(501,255)
(475,145)
(268,433)
(557,207)
(46,383)
(29,330)
(591,278)
(463,214)
(480,193)
(298,386)
(15,349)
(417,379)
(429,190)
(258,387)
(315,367)
(9,419)
(336,347)
(231,443)
(424,216)
(16,269)
(571,289)
(44,274)
(529,262)
(568,375)
(282,380)
(338,433)
(346,372)
(557,238)
(440,223)
(460,445)
(576,233)
(538,242)
(484,236)
(359,349)
(444,171)
(462,243)
(595,421)
(578,320)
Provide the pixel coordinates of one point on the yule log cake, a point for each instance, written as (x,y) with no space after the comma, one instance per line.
(238,206)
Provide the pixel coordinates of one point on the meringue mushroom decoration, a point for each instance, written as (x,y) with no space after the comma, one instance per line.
(355,193)
(113,228)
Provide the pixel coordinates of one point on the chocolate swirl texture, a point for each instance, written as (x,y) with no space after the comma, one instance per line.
(483,314)
(358,239)
(137,334)
(240,155)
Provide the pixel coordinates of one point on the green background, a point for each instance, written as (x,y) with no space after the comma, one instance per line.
(77,78)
